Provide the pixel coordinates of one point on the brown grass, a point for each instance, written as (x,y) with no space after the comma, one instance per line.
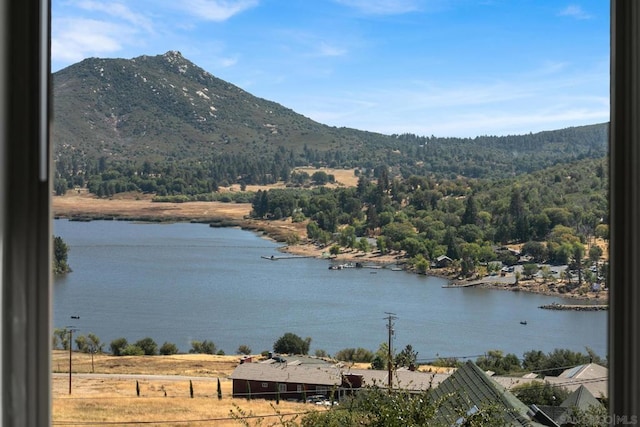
(164,396)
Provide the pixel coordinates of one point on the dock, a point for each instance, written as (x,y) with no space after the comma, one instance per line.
(277,258)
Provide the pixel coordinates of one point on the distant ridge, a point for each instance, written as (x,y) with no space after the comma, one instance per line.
(164,108)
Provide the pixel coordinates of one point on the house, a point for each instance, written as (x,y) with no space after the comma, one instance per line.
(443,261)
(296,380)
(593,376)
(469,390)
(268,380)
(402,379)
(581,400)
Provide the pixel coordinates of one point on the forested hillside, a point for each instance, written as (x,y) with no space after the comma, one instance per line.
(553,212)
(161,124)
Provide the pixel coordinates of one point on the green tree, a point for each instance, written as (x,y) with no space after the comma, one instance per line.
(132,350)
(291,343)
(595,252)
(81,344)
(148,346)
(533,360)
(203,347)
(559,359)
(407,357)
(62,335)
(536,250)
(244,349)
(94,343)
(363,245)
(320,178)
(60,254)
(470,215)
(540,393)
(168,348)
(118,345)
(495,361)
(529,270)
(359,355)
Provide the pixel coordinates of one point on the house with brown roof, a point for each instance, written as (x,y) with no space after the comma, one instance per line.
(291,381)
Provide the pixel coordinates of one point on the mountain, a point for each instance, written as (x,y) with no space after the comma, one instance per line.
(154,107)
(165,114)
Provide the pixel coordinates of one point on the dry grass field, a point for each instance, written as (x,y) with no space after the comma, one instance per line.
(109,395)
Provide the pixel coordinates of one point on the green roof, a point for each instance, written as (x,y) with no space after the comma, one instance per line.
(469,390)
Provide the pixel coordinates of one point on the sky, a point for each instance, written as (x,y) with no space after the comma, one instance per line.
(448,68)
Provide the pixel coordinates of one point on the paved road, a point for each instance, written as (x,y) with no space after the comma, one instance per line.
(136,377)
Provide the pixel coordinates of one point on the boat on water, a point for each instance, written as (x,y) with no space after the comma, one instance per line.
(341,266)
(523,322)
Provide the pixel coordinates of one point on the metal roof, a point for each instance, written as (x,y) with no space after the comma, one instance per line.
(284,373)
(471,386)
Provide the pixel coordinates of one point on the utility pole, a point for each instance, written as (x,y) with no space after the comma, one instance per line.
(390,318)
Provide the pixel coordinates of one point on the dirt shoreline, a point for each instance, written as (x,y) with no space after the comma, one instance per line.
(138,207)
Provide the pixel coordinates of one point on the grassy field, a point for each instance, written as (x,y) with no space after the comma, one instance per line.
(165,398)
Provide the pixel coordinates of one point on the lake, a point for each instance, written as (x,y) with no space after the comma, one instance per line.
(182,282)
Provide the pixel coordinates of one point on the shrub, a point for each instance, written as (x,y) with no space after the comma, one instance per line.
(203,347)
(118,345)
(292,344)
(244,349)
(148,345)
(168,348)
(132,350)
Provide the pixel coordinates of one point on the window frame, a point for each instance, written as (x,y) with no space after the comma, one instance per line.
(25,219)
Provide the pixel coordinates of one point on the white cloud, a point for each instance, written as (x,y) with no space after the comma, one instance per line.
(574,11)
(383,7)
(328,50)
(118,10)
(517,105)
(216,10)
(74,39)
(228,62)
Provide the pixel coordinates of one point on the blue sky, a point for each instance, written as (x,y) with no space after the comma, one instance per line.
(429,67)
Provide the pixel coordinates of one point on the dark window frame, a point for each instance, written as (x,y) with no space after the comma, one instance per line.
(25,218)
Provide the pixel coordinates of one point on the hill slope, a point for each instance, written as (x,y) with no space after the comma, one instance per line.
(117,114)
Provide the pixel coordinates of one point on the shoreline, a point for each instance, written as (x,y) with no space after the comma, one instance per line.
(136,207)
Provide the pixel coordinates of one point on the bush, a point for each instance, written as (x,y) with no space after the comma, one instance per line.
(168,348)
(132,350)
(539,393)
(244,349)
(292,344)
(360,355)
(118,345)
(148,346)
(203,347)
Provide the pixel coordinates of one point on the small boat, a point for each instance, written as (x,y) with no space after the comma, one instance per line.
(523,322)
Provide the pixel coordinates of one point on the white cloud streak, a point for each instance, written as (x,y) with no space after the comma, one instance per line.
(74,39)
(382,7)
(120,11)
(574,11)
(215,10)
(515,106)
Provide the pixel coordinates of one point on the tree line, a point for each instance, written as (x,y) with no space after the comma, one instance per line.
(91,343)
(554,212)
(486,157)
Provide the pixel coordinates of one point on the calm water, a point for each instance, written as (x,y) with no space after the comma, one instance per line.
(183,282)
